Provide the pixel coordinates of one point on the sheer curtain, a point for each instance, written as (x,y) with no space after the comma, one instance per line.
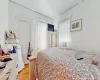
(64,34)
(42,35)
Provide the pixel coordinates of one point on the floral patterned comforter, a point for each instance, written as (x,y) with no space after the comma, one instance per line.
(55,65)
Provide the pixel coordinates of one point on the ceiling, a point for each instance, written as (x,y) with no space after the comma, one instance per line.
(50,8)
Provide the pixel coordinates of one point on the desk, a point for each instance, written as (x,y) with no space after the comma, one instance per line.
(10,71)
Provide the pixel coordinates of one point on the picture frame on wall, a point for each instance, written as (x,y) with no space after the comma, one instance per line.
(76,25)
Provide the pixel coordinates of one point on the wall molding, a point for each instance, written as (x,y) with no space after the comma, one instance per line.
(30,9)
(71,7)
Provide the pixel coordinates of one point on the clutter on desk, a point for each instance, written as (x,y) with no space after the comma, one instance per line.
(8,48)
(4,53)
(2,65)
(6,60)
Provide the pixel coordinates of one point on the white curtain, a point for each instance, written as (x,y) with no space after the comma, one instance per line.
(64,34)
(42,35)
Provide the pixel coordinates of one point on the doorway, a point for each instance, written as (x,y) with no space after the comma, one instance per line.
(24,36)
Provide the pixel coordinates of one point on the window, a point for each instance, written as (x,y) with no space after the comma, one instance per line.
(64,34)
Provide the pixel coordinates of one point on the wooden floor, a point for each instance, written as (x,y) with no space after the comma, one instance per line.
(24,74)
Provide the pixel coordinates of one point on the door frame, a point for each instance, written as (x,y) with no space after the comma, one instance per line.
(22,19)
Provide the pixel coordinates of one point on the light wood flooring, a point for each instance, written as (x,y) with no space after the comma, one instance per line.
(24,74)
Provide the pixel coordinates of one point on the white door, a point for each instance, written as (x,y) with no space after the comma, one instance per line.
(41,35)
(24,36)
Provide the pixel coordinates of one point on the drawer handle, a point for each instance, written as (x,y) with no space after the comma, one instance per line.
(7,78)
(8,72)
(17,66)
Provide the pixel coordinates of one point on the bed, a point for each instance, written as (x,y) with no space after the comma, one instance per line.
(57,64)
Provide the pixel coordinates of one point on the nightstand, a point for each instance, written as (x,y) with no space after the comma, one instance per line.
(32,64)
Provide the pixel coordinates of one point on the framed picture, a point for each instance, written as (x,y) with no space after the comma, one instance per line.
(76,25)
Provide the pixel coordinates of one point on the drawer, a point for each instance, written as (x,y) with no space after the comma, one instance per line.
(6,77)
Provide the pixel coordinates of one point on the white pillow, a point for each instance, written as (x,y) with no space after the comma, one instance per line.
(71,53)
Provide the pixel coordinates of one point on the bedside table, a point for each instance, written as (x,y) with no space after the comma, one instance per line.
(32,64)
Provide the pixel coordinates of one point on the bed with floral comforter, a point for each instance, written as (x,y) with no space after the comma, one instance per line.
(55,64)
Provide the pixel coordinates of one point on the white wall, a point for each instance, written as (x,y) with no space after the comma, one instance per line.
(88,38)
(56,23)
(18,12)
(3,19)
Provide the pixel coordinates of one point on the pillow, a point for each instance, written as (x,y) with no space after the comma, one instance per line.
(69,49)
(71,53)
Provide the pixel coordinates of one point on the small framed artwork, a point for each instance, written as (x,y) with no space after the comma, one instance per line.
(76,25)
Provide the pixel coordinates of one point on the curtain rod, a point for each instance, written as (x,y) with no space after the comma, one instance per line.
(72,7)
(29,9)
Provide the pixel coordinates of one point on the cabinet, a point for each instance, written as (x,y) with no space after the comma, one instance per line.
(52,39)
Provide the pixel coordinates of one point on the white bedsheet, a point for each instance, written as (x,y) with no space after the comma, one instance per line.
(87,62)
